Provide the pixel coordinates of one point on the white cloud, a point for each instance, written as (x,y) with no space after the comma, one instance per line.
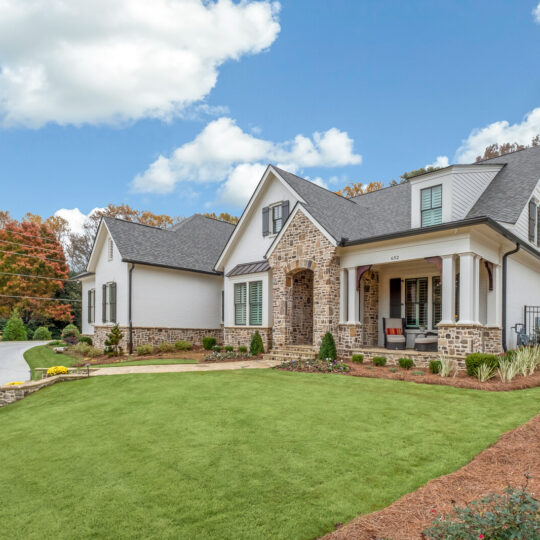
(109,61)
(536,13)
(75,218)
(498,132)
(441,162)
(223,152)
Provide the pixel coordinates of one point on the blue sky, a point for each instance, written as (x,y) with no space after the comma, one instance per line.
(388,86)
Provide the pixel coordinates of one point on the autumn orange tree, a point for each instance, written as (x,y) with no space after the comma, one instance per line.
(358,188)
(30,252)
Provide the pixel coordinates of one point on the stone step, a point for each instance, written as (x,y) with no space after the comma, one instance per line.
(283,358)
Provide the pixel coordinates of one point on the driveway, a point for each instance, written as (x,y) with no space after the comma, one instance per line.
(13,366)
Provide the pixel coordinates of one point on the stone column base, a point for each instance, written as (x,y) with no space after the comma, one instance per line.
(238,337)
(462,339)
(349,339)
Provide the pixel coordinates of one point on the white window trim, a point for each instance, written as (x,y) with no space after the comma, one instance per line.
(247,279)
(271,233)
(92,307)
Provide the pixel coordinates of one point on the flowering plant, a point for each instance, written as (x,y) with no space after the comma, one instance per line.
(57,370)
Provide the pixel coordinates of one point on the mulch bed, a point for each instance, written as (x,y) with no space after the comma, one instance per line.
(217,359)
(504,464)
(461,380)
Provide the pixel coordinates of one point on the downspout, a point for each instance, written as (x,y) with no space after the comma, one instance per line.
(129,309)
(504,288)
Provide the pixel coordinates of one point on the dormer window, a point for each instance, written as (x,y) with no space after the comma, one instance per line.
(431,206)
(110,249)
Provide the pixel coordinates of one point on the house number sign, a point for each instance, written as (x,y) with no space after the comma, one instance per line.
(394,258)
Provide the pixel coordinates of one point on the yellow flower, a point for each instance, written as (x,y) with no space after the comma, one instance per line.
(14,383)
(57,370)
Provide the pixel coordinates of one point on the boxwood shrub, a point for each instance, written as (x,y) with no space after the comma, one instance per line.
(216,348)
(42,333)
(145,349)
(165,347)
(406,363)
(435,366)
(182,345)
(242,349)
(209,342)
(474,360)
(229,348)
(358,358)
(82,339)
(379,360)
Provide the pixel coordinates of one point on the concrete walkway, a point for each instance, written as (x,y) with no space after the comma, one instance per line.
(13,366)
(183,368)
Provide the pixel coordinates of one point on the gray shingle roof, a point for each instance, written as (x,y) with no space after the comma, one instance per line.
(508,193)
(194,244)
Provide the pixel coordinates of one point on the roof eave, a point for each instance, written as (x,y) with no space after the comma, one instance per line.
(172,267)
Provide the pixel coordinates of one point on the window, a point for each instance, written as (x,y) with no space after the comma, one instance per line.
(277,218)
(532,220)
(436,297)
(431,206)
(255,303)
(108,303)
(240,303)
(110,249)
(538,226)
(91,306)
(416,302)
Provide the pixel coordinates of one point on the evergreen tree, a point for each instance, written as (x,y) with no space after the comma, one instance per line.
(112,343)
(328,347)
(256,347)
(14,329)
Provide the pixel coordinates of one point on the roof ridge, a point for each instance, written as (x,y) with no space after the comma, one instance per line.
(507,153)
(313,184)
(380,189)
(135,223)
(213,218)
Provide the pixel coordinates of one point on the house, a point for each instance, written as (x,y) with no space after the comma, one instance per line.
(454,251)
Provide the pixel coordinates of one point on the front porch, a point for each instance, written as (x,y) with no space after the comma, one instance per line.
(455,298)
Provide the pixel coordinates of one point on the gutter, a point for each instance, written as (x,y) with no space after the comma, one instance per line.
(504,291)
(170,267)
(130,283)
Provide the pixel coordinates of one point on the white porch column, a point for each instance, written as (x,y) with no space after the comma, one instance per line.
(343,294)
(448,290)
(494,300)
(467,286)
(477,289)
(353,297)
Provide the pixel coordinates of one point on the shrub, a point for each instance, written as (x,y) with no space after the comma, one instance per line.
(42,334)
(358,358)
(475,360)
(85,339)
(208,342)
(448,366)
(513,515)
(82,348)
(57,370)
(435,366)
(393,370)
(526,359)
(485,372)
(182,345)
(112,343)
(93,352)
(328,347)
(417,372)
(216,348)
(56,343)
(229,348)
(379,360)
(507,370)
(70,334)
(242,349)
(166,347)
(14,329)
(145,349)
(256,347)
(323,366)
(406,363)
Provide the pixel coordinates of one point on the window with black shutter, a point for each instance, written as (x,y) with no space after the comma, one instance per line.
(532,220)
(265,221)
(104,303)
(91,305)
(112,295)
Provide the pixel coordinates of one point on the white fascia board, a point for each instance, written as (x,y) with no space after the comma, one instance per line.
(219,266)
(458,168)
(97,244)
(297,208)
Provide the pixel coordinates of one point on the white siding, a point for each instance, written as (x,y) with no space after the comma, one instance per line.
(521,227)
(467,188)
(174,298)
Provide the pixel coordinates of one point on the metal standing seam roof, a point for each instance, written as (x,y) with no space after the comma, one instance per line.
(249,268)
(194,244)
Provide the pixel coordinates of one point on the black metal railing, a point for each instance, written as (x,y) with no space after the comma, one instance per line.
(528,332)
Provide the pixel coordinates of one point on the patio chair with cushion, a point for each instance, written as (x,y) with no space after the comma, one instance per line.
(427,342)
(394,333)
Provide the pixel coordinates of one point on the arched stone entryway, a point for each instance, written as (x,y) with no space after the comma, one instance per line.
(301,308)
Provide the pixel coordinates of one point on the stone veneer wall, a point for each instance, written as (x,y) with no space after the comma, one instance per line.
(461,340)
(420,359)
(302,247)
(155,336)
(349,339)
(302,308)
(370,287)
(237,336)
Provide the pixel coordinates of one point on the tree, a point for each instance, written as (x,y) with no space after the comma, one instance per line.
(224,216)
(29,253)
(357,188)
(496,150)
(14,329)
(256,347)
(406,176)
(112,343)
(328,347)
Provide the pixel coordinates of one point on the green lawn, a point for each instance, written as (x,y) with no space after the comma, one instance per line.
(43,356)
(244,454)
